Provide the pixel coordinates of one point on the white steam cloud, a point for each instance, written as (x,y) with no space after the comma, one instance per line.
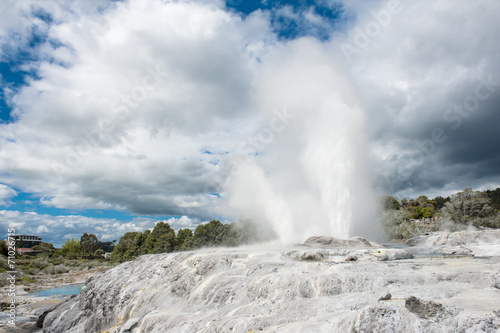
(306,173)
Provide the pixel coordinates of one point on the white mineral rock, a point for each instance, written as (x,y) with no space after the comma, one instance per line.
(305,288)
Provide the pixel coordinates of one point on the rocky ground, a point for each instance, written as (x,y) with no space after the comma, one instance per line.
(325,285)
(472,242)
(29,308)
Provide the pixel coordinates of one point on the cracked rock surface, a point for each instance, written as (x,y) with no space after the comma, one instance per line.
(475,243)
(304,288)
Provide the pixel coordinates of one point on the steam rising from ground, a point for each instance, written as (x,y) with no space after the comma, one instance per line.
(307,174)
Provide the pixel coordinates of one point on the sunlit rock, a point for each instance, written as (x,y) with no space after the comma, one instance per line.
(308,287)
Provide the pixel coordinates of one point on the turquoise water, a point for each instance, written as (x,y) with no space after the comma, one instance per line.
(71,289)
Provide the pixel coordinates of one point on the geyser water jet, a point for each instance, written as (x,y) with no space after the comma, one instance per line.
(312,178)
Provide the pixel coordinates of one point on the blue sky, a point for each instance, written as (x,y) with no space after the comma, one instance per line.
(117,114)
(292,27)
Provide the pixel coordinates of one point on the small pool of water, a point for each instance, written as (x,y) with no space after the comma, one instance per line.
(71,289)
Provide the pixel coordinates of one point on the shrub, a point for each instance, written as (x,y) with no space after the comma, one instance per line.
(3,279)
(48,270)
(445,224)
(4,264)
(4,250)
(31,271)
(89,264)
(468,206)
(71,263)
(398,227)
(39,263)
(492,221)
(27,280)
(58,260)
(71,249)
(59,269)
(391,220)
(408,229)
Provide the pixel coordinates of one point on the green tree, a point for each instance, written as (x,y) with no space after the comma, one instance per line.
(129,247)
(71,249)
(491,221)
(421,200)
(427,211)
(210,234)
(161,239)
(439,202)
(4,250)
(394,222)
(467,206)
(165,243)
(389,202)
(99,253)
(415,212)
(246,232)
(106,246)
(140,242)
(44,247)
(89,244)
(495,198)
(184,239)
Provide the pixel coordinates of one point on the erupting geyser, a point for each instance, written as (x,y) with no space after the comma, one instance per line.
(311,176)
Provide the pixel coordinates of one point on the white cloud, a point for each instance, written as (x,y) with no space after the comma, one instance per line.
(6,193)
(148,86)
(182,223)
(428,58)
(41,229)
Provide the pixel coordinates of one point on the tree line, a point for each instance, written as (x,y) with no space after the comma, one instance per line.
(161,239)
(164,239)
(468,207)
(87,247)
(480,209)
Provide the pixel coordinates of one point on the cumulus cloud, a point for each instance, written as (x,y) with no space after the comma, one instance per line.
(430,81)
(126,124)
(6,193)
(176,107)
